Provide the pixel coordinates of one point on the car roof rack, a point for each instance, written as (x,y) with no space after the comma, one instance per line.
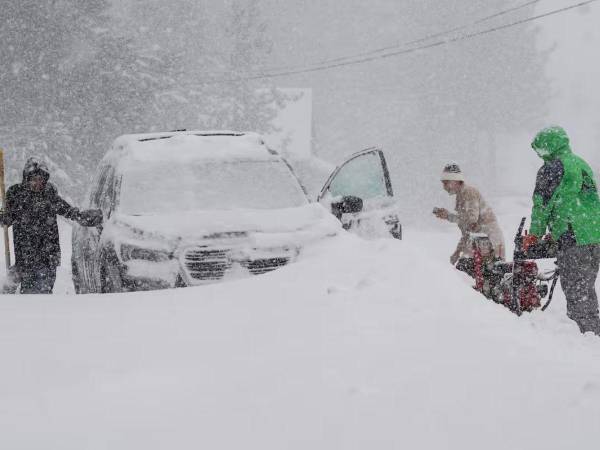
(153,138)
(168,135)
(219,134)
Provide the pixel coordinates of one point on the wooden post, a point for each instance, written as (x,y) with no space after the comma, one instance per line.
(3,199)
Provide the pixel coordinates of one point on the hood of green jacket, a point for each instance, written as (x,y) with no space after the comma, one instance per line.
(550,143)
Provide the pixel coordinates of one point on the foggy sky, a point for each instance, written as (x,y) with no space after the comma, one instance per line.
(312,31)
(374,103)
(477,102)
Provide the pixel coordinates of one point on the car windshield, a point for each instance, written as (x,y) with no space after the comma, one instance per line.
(208,185)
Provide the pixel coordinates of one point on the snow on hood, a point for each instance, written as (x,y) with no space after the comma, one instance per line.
(201,224)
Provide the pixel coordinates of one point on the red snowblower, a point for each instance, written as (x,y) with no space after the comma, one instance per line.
(518,285)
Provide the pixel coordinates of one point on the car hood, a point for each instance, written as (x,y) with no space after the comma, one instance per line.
(207,224)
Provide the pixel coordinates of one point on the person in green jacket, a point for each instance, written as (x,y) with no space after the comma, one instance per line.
(566,203)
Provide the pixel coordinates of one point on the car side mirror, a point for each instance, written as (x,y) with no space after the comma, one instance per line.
(349,204)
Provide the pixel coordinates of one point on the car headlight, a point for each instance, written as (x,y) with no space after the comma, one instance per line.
(129,252)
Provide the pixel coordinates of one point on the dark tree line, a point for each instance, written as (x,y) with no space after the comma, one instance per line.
(75,75)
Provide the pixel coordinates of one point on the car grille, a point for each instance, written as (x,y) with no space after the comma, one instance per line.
(202,264)
(259,266)
(208,265)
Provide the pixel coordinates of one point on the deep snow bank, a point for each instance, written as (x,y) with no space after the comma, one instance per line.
(358,345)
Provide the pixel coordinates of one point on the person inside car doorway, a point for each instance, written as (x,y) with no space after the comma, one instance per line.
(472,215)
(566,203)
(31,209)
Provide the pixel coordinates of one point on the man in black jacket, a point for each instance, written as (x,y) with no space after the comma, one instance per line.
(31,209)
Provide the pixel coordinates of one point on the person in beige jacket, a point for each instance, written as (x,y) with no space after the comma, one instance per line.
(472,214)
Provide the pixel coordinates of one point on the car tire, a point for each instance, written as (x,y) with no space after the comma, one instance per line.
(75,277)
(179,283)
(110,277)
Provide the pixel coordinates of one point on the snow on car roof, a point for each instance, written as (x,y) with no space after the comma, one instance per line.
(189,146)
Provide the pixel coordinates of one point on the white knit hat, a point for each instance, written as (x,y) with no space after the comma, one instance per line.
(452,172)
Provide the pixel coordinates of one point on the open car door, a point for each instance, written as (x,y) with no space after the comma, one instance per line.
(359,193)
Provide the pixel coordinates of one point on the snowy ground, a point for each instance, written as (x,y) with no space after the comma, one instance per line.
(359,345)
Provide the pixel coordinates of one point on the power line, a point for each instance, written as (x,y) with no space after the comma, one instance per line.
(415,41)
(423,47)
(388,47)
(332,65)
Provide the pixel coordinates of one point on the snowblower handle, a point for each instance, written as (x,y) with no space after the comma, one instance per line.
(519,235)
(3,199)
(518,253)
(517,268)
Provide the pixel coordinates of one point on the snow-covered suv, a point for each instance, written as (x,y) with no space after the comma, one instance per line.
(189,208)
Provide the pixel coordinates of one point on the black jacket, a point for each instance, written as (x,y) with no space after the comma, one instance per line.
(35,229)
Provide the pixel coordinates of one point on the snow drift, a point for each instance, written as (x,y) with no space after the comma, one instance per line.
(360,344)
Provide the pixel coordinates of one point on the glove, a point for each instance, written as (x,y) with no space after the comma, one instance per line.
(454,258)
(528,241)
(441,213)
(474,227)
(92,217)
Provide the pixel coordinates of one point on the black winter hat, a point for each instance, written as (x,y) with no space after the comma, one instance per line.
(34,166)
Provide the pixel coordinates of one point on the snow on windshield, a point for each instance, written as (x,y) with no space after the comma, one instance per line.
(208,185)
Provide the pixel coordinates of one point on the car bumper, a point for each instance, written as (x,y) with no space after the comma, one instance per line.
(145,284)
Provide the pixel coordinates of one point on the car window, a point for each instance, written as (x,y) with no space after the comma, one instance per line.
(208,185)
(96,196)
(362,177)
(107,199)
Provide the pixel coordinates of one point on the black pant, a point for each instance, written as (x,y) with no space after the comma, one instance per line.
(38,281)
(578,266)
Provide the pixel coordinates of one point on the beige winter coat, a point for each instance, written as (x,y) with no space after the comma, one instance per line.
(473,214)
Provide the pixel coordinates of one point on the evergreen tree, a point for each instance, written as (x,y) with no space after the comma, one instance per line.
(237,102)
(212,50)
(75,75)
(69,85)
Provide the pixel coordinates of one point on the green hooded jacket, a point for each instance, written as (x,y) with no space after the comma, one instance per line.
(565,200)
